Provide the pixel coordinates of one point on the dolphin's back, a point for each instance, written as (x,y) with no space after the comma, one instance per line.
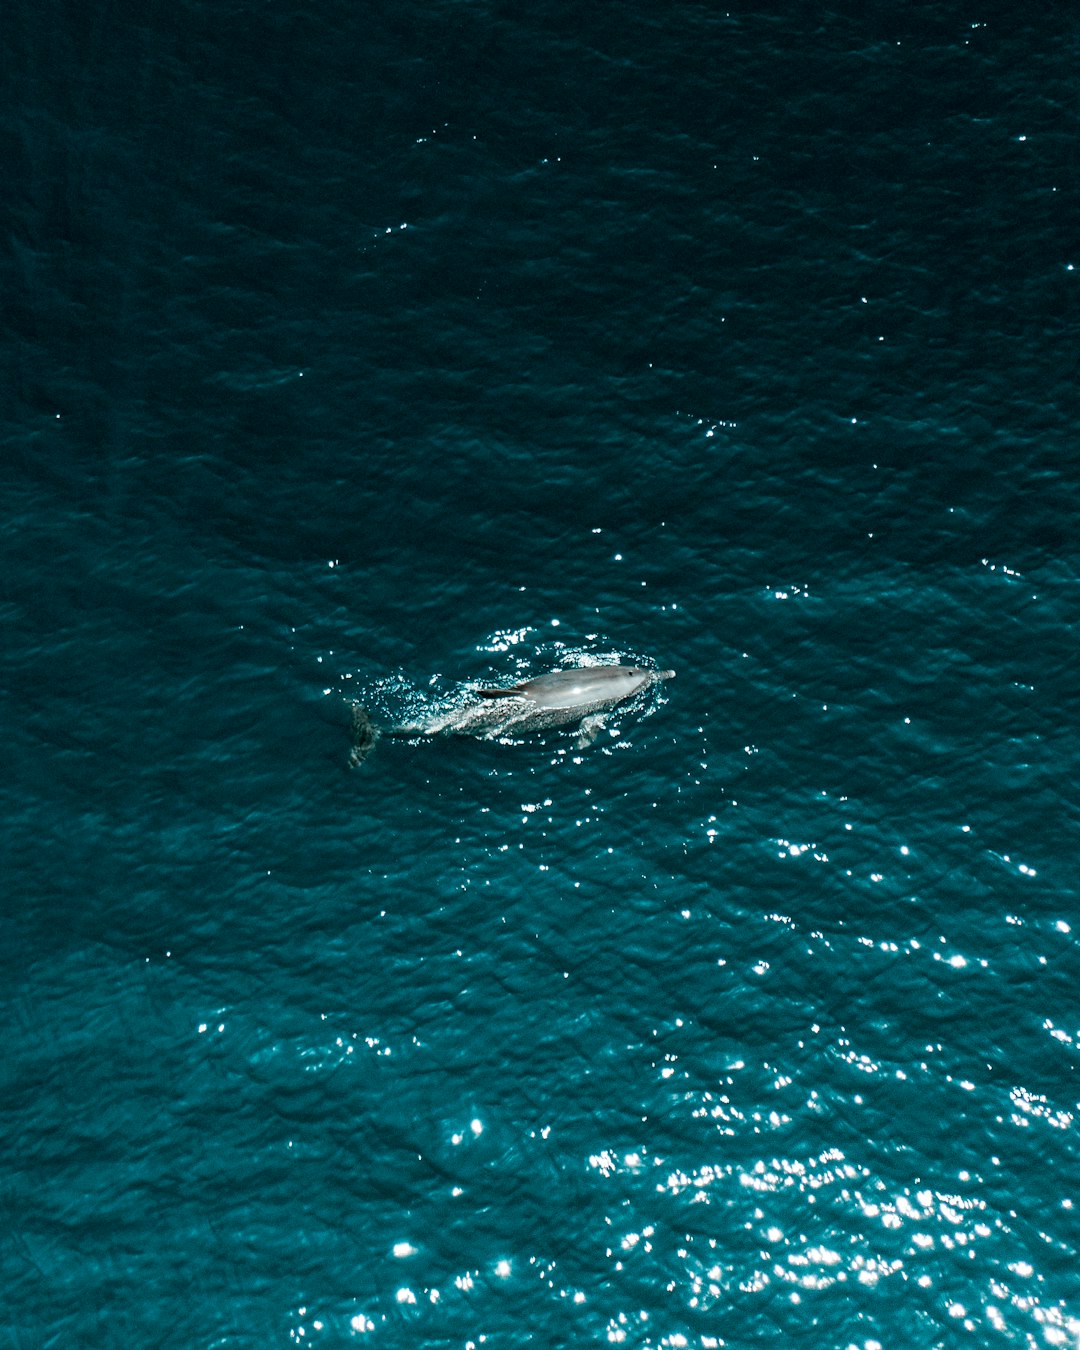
(534,705)
(579,688)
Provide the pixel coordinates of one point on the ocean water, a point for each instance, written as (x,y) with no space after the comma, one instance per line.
(366,353)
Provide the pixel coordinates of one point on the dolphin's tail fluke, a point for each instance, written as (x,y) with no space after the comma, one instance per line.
(364,735)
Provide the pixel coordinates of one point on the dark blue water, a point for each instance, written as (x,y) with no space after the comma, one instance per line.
(370,352)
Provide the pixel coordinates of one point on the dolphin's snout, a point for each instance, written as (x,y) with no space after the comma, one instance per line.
(665,674)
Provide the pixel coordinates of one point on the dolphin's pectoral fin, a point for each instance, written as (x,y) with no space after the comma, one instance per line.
(500,693)
(364,735)
(589,730)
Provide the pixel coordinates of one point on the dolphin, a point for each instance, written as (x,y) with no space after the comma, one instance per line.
(556,699)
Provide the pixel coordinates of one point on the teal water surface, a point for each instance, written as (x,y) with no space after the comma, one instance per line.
(374,353)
